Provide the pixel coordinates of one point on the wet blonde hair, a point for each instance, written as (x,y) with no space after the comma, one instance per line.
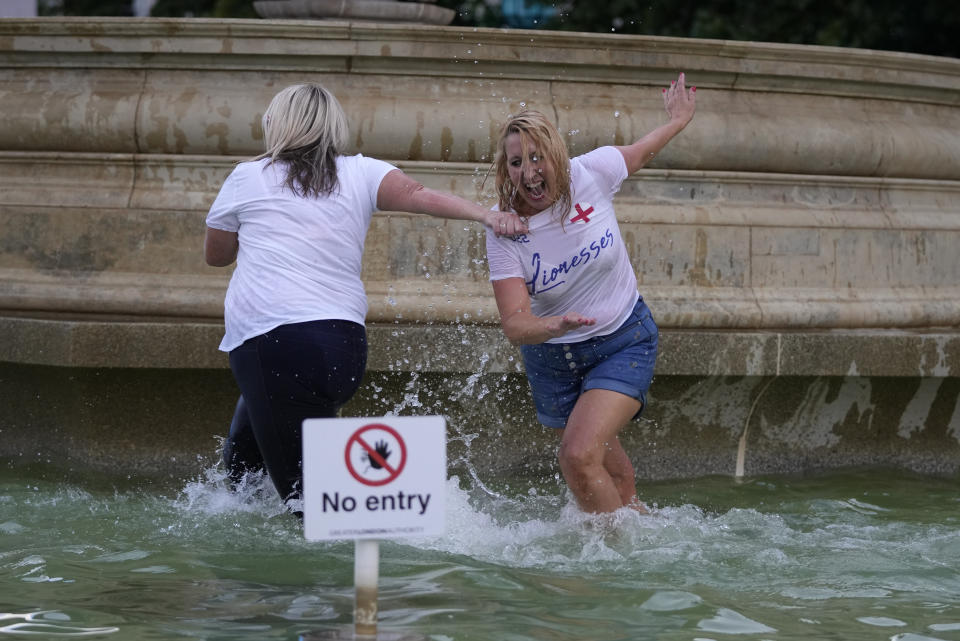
(305,128)
(533,127)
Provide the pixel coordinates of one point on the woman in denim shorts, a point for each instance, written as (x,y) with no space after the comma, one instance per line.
(567,293)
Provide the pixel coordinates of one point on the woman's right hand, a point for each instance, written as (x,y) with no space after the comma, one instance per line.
(520,325)
(557,326)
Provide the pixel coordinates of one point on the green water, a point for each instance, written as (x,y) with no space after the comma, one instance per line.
(866,555)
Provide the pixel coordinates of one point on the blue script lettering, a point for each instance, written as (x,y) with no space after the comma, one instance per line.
(546,279)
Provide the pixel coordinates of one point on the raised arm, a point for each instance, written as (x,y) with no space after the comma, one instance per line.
(520,325)
(399,192)
(680,104)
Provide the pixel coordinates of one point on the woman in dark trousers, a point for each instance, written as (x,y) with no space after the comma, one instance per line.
(295,219)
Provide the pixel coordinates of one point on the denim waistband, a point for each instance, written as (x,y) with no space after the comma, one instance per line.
(639,313)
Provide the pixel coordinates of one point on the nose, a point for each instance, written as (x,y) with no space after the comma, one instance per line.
(531,170)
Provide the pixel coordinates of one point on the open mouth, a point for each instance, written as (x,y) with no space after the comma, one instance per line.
(535,191)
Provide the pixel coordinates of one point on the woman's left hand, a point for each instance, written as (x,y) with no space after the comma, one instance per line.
(679,102)
(506,223)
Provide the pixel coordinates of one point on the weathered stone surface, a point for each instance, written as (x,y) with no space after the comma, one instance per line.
(154,423)
(467,348)
(373,10)
(797,243)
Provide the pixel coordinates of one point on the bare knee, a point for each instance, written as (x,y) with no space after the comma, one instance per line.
(577,459)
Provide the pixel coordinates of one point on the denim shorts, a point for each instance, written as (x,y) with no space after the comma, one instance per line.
(621,361)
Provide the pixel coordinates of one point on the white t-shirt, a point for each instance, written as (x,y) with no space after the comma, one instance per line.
(581,266)
(300,259)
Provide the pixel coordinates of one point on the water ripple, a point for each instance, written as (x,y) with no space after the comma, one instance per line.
(47,622)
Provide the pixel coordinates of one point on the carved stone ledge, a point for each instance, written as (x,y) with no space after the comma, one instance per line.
(369,10)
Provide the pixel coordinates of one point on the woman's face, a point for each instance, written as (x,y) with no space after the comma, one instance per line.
(530,178)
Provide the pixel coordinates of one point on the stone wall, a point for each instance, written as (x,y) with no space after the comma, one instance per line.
(798,242)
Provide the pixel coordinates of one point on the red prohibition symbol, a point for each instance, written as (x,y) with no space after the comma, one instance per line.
(374,454)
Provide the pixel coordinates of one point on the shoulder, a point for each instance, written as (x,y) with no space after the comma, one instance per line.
(362,162)
(251,169)
(248,167)
(600,158)
(363,169)
(605,165)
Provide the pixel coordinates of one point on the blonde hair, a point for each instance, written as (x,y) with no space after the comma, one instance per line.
(305,127)
(533,127)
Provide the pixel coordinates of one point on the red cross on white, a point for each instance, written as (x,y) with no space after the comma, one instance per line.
(581,214)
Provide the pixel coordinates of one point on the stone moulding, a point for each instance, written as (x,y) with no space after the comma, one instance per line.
(373,10)
(122,342)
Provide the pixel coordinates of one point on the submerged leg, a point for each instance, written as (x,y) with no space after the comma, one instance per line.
(240,451)
(292,373)
(593,462)
(618,465)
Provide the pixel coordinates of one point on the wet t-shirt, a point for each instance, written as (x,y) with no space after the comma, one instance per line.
(582,265)
(299,258)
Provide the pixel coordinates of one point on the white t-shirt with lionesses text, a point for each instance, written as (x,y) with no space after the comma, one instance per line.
(582,265)
(300,259)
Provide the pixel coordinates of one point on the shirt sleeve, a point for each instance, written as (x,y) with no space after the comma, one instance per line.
(607,167)
(223,214)
(503,262)
(375,170)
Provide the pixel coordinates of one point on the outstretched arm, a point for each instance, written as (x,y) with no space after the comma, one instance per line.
(680,104)
(399,192)
(520,325)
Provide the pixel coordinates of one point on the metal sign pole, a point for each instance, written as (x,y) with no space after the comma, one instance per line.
(366,576)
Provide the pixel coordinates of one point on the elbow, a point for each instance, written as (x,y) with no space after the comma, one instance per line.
(415,199)
(218,259)
(516,327)
(399,194)
(210,256)
(513,334)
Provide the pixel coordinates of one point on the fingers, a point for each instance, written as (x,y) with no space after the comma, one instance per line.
(507,224)
(678,101)
(678,88)
(574,320)
(557,326)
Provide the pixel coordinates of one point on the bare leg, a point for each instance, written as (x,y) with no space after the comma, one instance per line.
(618,464)
(590,445)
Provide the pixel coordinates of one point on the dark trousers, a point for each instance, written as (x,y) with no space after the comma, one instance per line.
(291,373)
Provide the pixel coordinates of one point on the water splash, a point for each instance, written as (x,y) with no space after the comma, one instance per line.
(213,493)
(466,459)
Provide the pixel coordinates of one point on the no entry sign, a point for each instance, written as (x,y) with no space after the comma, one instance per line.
(370,454)
(374,478)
